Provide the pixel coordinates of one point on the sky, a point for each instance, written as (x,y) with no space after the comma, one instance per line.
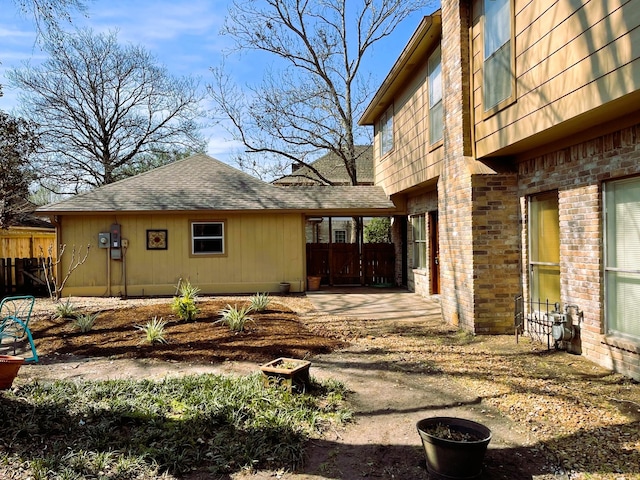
(182,35)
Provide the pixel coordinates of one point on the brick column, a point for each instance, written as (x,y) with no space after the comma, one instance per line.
(454,186)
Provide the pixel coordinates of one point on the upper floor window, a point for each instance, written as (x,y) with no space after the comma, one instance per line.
(436,120)
(207,238)
(497,73)
(386,131)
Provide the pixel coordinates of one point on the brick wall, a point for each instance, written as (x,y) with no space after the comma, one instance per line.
(496,251)
(577,172)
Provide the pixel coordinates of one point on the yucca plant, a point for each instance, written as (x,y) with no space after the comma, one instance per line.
(154,330)
(84,322)
(65,310)
(235,318)
(185,305)
(260,302)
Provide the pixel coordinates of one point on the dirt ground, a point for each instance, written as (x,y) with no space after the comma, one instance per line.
(553,415)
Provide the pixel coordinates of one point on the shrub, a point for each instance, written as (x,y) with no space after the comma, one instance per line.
(260,302)
(154,330)
(235,318)
(185,305)
(84,322)
(65,310)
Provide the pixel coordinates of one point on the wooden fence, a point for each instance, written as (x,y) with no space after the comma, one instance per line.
(23,276)
(345,264)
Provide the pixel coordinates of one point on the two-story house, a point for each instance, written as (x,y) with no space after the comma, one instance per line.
(510,130)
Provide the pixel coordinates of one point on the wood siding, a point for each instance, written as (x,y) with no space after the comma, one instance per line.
(577,64)
(262,250)
(410,162)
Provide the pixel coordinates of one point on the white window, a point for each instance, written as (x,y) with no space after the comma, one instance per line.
(622,257)
(339,236)
(497,74)
(386,131)
(544,248)
(207,238)
(419,241)
(436,119)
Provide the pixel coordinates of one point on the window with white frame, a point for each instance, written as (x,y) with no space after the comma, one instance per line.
(436,120)
(497,70)
(207,238)
(544,247)
(339,236)
(385,127)
(622,257)
(419,232)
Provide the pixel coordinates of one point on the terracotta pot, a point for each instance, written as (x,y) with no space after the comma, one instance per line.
(291,373)
(454,459)
(313,282)
(9,366)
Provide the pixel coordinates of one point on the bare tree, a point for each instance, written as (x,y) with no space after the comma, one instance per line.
(311,105)
(48,14)
(101,107)
(18,142)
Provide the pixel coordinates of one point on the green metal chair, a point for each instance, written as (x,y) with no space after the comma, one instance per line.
(15,313)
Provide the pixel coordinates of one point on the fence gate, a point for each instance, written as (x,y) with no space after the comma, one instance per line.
(344,264)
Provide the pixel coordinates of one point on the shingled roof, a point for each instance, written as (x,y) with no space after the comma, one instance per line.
(332,167)
(202,183)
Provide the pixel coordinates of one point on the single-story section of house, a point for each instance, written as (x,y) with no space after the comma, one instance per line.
(197,220)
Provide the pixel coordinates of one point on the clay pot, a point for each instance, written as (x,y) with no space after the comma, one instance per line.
(9,366)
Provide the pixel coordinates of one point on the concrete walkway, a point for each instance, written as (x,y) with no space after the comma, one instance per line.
(375,303)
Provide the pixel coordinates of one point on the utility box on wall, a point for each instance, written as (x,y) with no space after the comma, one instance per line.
(104,240)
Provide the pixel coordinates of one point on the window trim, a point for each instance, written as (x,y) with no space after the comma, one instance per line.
(386,119)
(192,238)
(502,104)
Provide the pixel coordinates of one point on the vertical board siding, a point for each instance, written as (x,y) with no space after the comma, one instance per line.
(570,59)
(26,243)
(261,251)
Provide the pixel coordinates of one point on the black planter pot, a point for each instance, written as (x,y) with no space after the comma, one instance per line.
(454,459)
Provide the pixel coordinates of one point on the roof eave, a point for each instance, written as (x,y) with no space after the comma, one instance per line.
(422,42)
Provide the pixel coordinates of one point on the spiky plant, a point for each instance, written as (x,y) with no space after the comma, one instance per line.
(84,322)
(260,302)
(154,330)
(235,318)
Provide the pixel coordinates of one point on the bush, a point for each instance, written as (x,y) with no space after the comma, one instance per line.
(185,305)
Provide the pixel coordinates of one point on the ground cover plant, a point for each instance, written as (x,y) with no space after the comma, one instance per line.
(125,429)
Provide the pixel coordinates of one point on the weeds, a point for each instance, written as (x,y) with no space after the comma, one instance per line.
(260,302)
(154,331)
(235,318)
(84,322)
(131,429)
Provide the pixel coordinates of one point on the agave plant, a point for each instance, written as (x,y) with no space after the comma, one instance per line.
(84,322)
